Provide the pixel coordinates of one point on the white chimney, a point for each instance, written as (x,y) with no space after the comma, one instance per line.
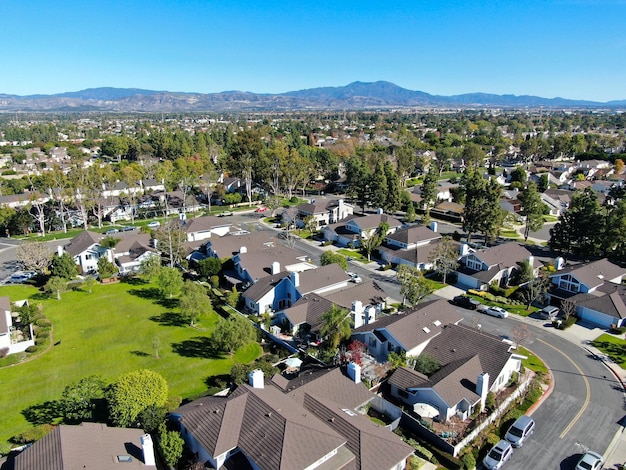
(379,210)
(464,249)
(531,260)
(148,450)
(559,262)
(60,250)
(295,278)
(243,249)
(256,379)
(482,388)
(354,372)
(433,226)
(275,267)
(183,218)
(340,214)
(371,315)
(357,306)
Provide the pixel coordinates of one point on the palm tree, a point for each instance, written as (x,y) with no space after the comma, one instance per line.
(336,326)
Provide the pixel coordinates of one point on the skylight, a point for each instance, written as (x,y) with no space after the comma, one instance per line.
(124,458)
(437,323)
(348,412)
(426,330)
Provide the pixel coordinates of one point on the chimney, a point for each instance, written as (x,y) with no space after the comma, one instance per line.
(183,218)
(148,450)
(256,379)
(243,249)
(154,243)
(295,278)
(379,210)
(59,250)
(464,249)
(559,262)
(340,209)
(354,372)
(371,315)
(531,260)
(275,267)
(433,226)
(482,388)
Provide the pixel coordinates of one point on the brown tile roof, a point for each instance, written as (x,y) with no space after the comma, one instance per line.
(422,324)
(504,255)
(369,293)
(324,276)
(258,263)
(372,221)
(308,309)
(90,445)
(206,222)
(320,206)
(265,284)
(82,241)
(609,298)
(595,273)
(131,241)
(228,245)
(405,378)
(413,234)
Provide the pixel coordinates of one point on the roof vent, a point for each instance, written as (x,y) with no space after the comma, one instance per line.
(269,414)
(453,349)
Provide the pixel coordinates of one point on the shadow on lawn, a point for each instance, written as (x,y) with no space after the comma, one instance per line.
(170,319)
(43,413)
(617,352)
(154,294)
(200,346)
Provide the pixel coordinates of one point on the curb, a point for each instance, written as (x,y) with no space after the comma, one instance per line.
(545,394)
(615,374)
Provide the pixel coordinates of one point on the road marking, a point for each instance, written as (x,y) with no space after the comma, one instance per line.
(587,398)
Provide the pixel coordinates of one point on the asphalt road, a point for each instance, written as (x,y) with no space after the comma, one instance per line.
(8,261)
(583,410)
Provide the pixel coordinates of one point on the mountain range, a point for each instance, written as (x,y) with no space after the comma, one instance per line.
(379,95)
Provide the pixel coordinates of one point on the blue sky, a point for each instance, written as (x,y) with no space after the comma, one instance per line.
(569,48)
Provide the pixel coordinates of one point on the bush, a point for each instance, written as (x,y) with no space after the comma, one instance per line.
(293,199)
(420,451)
(43,323)
(32,349)
(490,297)
(617,331)
(5,448)
(468,460)
(43,334)
(33,434)
(4,352)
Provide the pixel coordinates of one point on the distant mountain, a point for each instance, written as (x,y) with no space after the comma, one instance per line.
(355,96)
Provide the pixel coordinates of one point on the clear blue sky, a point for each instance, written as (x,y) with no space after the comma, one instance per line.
(569,48)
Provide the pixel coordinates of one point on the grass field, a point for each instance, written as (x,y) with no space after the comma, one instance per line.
(613,347)
(109,332)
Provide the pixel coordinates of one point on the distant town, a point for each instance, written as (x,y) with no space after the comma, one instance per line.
(312,289)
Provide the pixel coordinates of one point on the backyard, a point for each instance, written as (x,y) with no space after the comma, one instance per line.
(116,329)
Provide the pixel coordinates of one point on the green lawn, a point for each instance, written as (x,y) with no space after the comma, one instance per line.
(355,255)
(107,333)
(532,362)
(613,347)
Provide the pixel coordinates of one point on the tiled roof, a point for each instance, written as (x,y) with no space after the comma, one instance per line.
(228,245)
(265,284)
(309,309)
(414,328)
(372,221)
(369,293)
(204,223)
(504,255)
(324,276)
(90,445)
(82,241)
(595,273)
(258,263)
(319,206)
(405,378)
(609,299)
(413,234)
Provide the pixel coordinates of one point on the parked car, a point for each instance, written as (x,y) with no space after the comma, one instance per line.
(590,461)
(354,277)
(466,302)
(20,277)
(496,312)
(111,231)
(154,224)
(520,430)
(498,455)
(261,209)
(549,312)
(128,228)
(225,213)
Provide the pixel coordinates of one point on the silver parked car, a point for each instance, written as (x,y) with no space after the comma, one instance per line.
(496,312)
(498,455)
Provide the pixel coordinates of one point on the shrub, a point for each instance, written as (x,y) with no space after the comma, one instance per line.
(32,349)
(5,448)
(43,323)
(502,300)
(33,434)
(43,334)
(293,199)
(420,451)
(490,297)
(468,460)
(4,352)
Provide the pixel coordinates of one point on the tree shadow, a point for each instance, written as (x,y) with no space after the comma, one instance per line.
(569,462)
(169,319)
(217,382)
(154,294)
(134,281)
(140,353)
(43,413)
(200,346)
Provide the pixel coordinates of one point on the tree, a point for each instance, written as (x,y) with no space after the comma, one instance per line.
(581,228)
(63,266)
(89,283)
(375,239)
(209,267)
(358,176)
(132,393)
(615,234)
(194,302)
(170,282)
(475,188)
(171,239)
(330,257)
(336,326)
(410,213)
(106,269)
(80,401)
(445,257)
(532,208)
(394,188)
(413,285)
(378,186)
(521,334)
(429,191)
(150,267)
(426,364)
(534,290)
(55,286)
(34,256)
(231,334)
(171,445)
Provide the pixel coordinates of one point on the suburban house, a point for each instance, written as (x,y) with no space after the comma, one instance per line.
(251,266)
(447,210)
(11,338)
(407,332)
(496,264)
(364,303)
(596,291)
(356,229)
(412,245)
(229,245)
(313,421)
(85,249)
(472,364)
(132,249)
(281,290)
(324,211)
(201,228)
(89,445)
(443,194)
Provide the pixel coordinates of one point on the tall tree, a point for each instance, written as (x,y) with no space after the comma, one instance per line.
(532,208)
(445,257)
(378,186)
(358,176)
(615,234)
(170,282)
(171,238)
(413,285)
(475,188)
(429,190)
(194,302)
(133,392)
(393,199)
(34,256)
(80,401)
(231,334)
(336,326)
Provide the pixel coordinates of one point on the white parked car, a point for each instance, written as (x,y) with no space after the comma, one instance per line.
(354,277)
(154,224)
(496,312)
(590,461)
(498,455)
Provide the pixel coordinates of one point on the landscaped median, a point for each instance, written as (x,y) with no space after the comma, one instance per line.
(116,329)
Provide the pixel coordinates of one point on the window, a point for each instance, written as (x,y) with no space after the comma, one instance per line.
(569,284)
(403,393)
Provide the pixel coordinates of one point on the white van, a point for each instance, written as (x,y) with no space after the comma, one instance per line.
(519,431)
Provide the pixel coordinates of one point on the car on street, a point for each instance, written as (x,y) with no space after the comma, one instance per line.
(261,209)
(128,228)
(466,302)
(498,455)
(590,461)
(111,231)
(495,312)
(354,277)
(225,214)
(520,430)
(20,277)
(154,224)
(548,313)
